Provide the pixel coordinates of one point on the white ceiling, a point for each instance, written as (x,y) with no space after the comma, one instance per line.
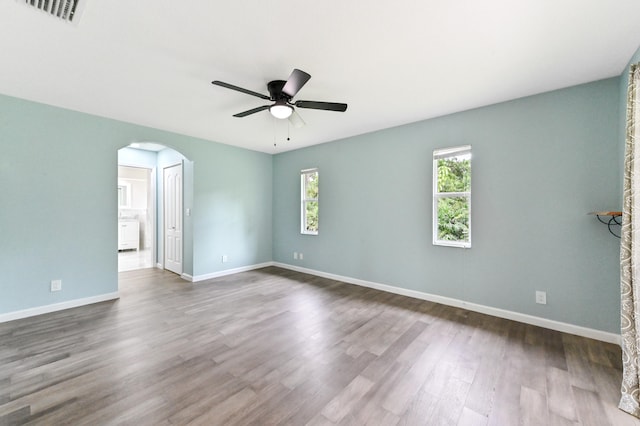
(151,62)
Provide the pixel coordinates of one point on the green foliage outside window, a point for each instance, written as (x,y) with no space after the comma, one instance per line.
(454,175)
(312,216)
(453,219)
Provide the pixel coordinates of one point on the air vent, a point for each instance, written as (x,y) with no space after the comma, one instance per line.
(67,10)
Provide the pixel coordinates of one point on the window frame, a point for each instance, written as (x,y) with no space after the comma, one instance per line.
(439,154)
(304,200)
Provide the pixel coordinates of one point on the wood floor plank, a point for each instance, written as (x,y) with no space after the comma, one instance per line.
(369,408)
(533,408)
(471,418)
(274,346)
(381,365)
(451,403)
(506,409)
(578,363)
(559,394)
(420,409)
(343,403)
(481,398)
(406,389)
(320,420)
(591,411)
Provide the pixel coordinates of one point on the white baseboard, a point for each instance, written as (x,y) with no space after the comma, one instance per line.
(496,312)
(32,312)
(197,278)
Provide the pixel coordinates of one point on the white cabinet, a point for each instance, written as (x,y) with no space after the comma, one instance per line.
(128,234)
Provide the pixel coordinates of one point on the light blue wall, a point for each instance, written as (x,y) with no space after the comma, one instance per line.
(58,217)
(137,158)
(539,165)
(233,208)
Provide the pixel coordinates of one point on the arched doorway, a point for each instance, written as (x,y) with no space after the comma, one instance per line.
(142,209)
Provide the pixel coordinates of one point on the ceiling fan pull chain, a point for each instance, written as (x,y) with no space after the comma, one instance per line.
(274,133)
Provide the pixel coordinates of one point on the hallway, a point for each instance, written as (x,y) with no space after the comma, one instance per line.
(130,260)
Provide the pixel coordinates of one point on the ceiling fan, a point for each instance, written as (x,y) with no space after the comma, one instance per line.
(281,93)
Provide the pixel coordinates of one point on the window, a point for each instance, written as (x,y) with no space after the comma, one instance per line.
(452,196)
(309,211)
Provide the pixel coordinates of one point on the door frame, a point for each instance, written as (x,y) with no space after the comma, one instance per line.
(164,218)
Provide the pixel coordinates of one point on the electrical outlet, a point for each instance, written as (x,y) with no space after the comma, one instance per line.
(56,285)
(224,258)
(541,297)
(295,254)
(300,256)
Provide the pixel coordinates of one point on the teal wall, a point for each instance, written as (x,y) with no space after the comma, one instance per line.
(137,158)
(539,165)
(58,216)
(234,212)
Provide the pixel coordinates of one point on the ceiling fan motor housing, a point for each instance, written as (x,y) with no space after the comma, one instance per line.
(275,91)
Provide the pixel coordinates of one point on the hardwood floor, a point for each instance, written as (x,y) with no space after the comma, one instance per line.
(274,346)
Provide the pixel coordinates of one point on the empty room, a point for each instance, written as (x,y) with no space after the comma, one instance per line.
(265,213)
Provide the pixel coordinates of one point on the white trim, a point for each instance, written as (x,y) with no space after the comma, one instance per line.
(452,194)
(32,312)
(304,200)
(153,215)
(459,244)
(451,152)
(439,154)
(489,310)
(496,312)
(198,278)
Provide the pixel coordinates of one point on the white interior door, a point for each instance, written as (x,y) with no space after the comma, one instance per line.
(173,218)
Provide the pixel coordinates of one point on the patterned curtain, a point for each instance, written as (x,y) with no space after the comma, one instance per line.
(630,256)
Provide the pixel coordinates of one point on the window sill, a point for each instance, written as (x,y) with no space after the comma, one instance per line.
(452,244)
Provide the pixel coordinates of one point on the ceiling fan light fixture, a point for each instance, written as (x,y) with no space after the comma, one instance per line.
(281,93)
(281,110)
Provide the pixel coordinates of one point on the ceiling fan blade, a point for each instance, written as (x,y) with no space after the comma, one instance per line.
(240,89)
(295,120)
(296,80)
(327,106)
(252,111)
